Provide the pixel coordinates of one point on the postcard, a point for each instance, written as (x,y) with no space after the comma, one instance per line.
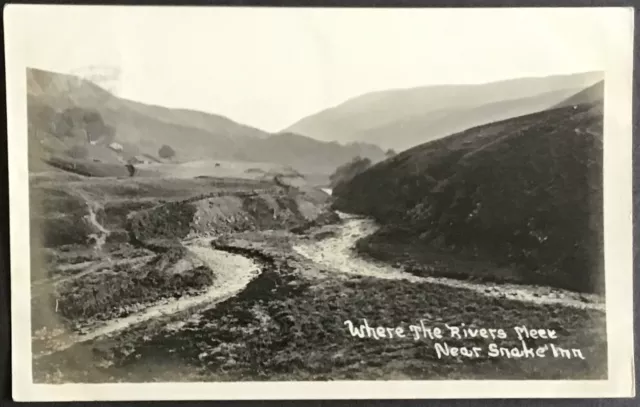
(310,203)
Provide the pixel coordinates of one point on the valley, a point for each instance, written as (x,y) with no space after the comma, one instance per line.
(173,245)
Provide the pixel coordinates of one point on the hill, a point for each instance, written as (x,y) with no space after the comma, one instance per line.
(304,152)
(594,93)
(75,118)
(524,194)
(403,118)
(347,171)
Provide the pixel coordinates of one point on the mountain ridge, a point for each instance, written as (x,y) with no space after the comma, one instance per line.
(60,103)
(357,117)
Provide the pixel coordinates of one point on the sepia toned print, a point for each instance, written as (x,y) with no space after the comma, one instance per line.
(207,210)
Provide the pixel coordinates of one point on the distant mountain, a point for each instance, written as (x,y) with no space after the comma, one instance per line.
(64,91)
(74,117)
(525,193)
(404,118)
(304,152)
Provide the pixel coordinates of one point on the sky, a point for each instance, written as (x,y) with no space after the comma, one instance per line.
(270,67)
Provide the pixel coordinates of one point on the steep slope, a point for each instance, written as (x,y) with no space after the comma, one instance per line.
(73,117)
(63,91)
(347,171)
(406,117)
(448,121)
(524,193)
(592,94)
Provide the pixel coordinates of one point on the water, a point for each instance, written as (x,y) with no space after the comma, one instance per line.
(336,253)
(93,207)
(232,274)
(103,233)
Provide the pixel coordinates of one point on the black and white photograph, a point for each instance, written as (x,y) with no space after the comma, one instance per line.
(227,202)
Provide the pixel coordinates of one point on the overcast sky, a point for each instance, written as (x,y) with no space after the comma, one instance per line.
(270,67)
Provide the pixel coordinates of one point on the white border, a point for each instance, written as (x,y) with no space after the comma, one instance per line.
(618,260)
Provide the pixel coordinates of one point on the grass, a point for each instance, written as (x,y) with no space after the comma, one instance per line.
(289,325)
(88,168)
(224,212)
(57,218)
(300,334)
(116,292)
(412,255)
(145,188)
(171,221)
(142,216)
(58,211)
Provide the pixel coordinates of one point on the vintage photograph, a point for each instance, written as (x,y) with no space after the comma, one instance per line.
(242,195)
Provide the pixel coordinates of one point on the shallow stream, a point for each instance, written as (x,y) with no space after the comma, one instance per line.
(336,254)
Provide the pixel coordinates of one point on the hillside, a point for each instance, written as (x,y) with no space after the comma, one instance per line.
(347,171)
(594,93)
(75,118)
(295,151)
(524,194)
(403,118)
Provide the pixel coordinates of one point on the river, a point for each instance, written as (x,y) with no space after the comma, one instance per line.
(336,254)
(232,274)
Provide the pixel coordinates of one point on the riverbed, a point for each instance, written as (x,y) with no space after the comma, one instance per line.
(232,273)
(334,254)
(337,254)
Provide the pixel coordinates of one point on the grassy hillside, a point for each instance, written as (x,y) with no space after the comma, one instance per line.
(294,149)
(417,129)
(404,118)
(524,193)
(70,117)
(67,91)
(592,94)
